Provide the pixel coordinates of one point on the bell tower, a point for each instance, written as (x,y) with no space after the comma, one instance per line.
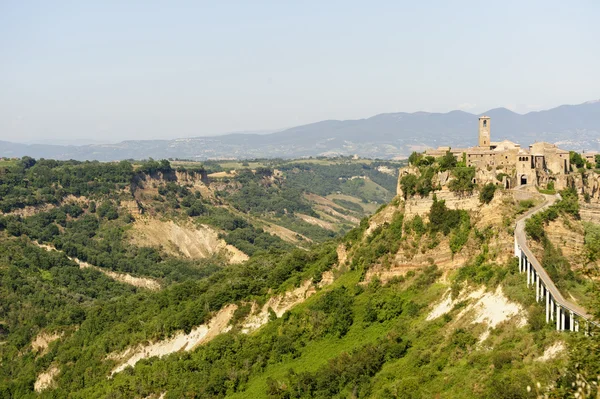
(484,131)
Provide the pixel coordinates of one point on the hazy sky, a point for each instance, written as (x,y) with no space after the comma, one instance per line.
(113,70)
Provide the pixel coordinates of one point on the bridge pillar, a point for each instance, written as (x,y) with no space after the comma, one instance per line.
(576,325)
(520,262)
(587,328)
(572,321)
(551,308)
(557,318)
(537,288)
(562,319)
(517,249)
(547,307)
(527,270)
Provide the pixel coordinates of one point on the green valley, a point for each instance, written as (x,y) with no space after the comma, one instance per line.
(281,279)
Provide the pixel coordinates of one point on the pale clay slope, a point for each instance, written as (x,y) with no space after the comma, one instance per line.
(191,242)
(283,233)
(316,222)
(43,339)
(489,308)
(46,379)
(180,341)
(217,325)
(141,282)
(220,322)
(552,352)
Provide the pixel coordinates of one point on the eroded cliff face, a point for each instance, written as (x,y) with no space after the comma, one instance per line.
(421,206)
(495,220)
(185,240)
(588,188)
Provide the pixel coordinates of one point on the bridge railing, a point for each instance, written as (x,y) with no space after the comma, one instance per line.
(555,302)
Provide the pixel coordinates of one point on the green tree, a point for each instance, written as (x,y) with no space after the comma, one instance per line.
(448,161)
(408,183)
(414,158)
(487,193)
(576,159)
(463,180)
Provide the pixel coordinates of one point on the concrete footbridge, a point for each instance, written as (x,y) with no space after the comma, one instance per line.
(566,315)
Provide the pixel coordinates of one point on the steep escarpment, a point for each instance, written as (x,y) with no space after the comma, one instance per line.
(189,241)
(450,247)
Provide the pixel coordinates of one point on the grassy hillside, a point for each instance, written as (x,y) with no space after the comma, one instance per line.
(311,322)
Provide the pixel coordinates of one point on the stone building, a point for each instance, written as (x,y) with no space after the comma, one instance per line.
(506,163)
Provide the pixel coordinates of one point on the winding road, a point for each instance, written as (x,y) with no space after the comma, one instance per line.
(523,251)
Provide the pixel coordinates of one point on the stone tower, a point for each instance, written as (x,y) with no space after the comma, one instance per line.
(484,131)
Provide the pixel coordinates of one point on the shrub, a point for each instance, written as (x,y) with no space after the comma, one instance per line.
(534,227)
(500,176)
(408,184)
(487,193)
(196,209)
(332,313)
(576,159)
(592,241)
(444,219)
(463,339)
(463,180)
(414,158)
(448,161)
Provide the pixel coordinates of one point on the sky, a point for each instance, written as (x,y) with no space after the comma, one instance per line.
(114,70)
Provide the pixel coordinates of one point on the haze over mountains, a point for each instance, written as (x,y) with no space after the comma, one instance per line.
(391,135)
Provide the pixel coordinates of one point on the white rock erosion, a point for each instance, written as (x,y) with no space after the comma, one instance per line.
(217,325)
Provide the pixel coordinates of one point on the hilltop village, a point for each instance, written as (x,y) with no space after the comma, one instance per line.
(537,165)
(506,164)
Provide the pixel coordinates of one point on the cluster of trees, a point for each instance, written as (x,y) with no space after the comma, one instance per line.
(580,163)
(114,320)
(329,179)
(41,291)
(486,195)
(254,197)
(463,182)
(30,183)
(98,237)
(346,373)
(251,240)
(569,204)
(422,184)
(384,240)
(240,233)
(554,262)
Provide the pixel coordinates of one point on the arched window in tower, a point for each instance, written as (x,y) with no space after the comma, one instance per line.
(484,123)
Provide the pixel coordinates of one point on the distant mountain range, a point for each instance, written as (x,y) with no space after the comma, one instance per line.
(393,135)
